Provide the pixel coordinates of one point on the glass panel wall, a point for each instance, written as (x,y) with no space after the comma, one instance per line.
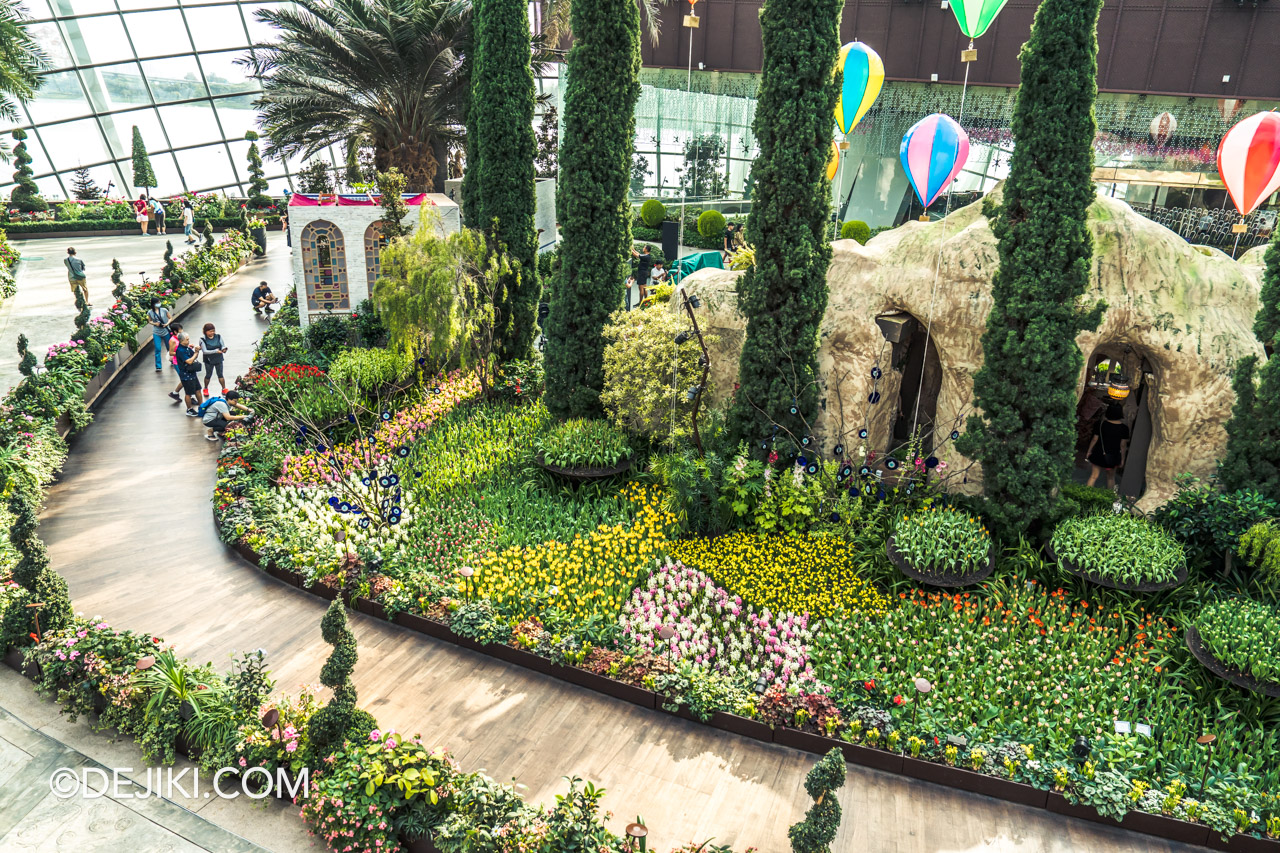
(168,68)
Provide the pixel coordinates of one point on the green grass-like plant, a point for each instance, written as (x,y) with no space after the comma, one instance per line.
(582,443)
(1120,548)
(1243,634)
(942,541)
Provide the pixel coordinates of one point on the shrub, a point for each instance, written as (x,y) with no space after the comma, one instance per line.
(340,718)
(368,324)
(652,212)
(327,335)
(1120,548)
(711,224)
(855,229)
(1086,500)
(1209,523)
(519,381)
(942,541)
(646,374)
(815,833)
(581,443)
(1243,634)
(1260,549)
(370,369)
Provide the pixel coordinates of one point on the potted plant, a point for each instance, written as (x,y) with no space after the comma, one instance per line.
(257,227)
(582,449)
(1236,639)
(1119,551)
(941,547)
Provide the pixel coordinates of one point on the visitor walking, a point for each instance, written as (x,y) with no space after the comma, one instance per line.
(284,226)
(188,220)
(175,329)
(159,317)
(189,372)
(262,298)
(140,212)
(1109,446)
(76,277)
(644,266)
(214,349)
(157,209)
(215,413)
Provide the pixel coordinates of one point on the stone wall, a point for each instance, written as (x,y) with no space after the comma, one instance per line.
(1177,314)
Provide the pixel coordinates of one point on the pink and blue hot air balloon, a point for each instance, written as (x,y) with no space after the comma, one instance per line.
(933,152)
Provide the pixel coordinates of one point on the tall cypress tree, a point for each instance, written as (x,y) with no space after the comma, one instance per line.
(591,202)
(502,98)
(144,177)
(1253,434)
(785,294)
(32,572)
(1025,436)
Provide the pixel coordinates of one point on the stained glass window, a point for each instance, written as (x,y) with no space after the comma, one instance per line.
(324,267)
(374,243)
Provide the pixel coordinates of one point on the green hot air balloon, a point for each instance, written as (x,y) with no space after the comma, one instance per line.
(975,16)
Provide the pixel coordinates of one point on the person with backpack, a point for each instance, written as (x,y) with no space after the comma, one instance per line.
(157,209)
(159,317)
(215,414)
(174,329)
(188,372)
(76,276)
(214,349)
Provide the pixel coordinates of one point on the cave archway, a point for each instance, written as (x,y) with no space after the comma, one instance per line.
(1118,364)
(918,370)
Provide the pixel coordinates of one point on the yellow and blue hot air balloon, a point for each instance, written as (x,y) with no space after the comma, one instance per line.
(860,86)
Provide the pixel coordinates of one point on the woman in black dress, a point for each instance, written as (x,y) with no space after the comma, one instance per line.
(1109,446)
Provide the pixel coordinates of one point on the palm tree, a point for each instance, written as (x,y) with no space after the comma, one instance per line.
(381,74)
(553,16)
(20,62)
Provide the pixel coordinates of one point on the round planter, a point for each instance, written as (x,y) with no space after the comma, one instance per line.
(948,581)
(1218,668)
(583,475)
(259,236)
(1097,580)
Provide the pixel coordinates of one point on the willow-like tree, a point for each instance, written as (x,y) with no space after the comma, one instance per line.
(1026,388)
(785,294)
(501,113)
(591,200)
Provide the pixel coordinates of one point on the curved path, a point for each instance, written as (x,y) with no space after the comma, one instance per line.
(129,526)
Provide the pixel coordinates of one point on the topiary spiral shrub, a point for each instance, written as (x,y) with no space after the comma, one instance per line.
(815,833)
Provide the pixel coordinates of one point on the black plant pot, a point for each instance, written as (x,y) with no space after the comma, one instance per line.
(259,236)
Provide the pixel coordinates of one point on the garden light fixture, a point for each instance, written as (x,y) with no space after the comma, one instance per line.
(1208,740)
(636,833)
(1081,749)
(682,337)
(666,632)
(922,687)
(144,663)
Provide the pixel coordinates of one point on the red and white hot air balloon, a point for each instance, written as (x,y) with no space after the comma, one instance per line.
(1249,160)
(1229,107)
(1163,127)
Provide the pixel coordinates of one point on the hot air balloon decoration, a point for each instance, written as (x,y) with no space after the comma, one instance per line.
(933,151)
(1249,163)
(1163,127)
(833,161)
(1229,108)
(975,18)
(863,75)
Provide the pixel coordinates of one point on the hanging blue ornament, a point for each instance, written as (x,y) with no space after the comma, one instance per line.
(931,462)
(394,480)
(876,373)
(862,433)
(344,507)
(811,468)
(873,397)
(834,518)
(366,481)
(386,415)
(864,471)
(845,471)
(955,433)
(806,441)
(891,464)
(333,502)
(794,410)
(384,482)
(364,523)
(351,418)
(802,461)
(839,451)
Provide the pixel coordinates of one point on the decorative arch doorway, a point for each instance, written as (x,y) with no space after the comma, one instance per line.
(1117,373)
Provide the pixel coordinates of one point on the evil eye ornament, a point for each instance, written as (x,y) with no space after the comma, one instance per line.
(891,464)
(435,390)
(364,523)
(386,415)
(344,507)
(351,418)
(802,461)
(794,410)
(911,487)
(834,518)
(811,468)
(876,373)
(394,480)
(873,397)
(862,433)
(385,482)
(845,471)
(806,441)
(395,519)
(366,482)
(864,471)
(386,502)
(839,451)
(402,451)
(931,462)
(955,433)
(333,502)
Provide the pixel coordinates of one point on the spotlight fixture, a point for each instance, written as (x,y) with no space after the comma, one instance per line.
(695,302)
(761,684)
(682,337)
(1081,749)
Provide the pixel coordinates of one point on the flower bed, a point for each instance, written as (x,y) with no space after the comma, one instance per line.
(1243,638)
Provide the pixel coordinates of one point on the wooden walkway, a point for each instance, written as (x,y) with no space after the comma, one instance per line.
(129,525)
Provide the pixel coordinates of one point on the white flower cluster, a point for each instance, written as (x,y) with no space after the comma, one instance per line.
(364,510)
